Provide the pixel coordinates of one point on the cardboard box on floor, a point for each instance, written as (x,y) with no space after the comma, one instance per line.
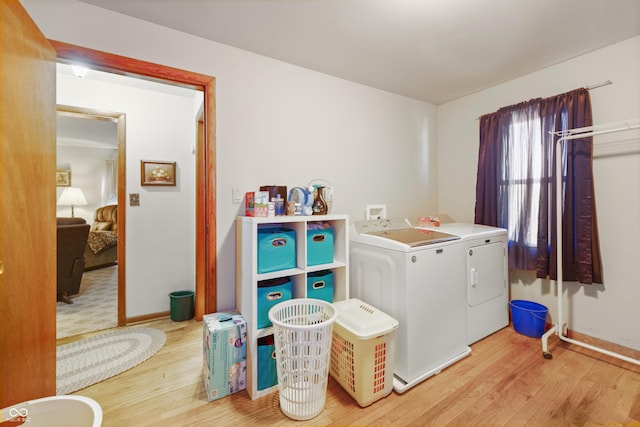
(225,354)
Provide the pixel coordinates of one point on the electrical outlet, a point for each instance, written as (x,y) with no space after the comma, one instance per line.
(376,212)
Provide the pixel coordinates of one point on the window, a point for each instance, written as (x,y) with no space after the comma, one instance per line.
(523,178)
(516,185)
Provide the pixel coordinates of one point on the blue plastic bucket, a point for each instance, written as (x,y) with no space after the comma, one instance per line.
(529,318)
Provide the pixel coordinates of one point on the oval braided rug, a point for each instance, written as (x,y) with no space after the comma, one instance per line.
(88,361)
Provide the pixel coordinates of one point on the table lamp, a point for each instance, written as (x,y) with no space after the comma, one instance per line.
(72,196)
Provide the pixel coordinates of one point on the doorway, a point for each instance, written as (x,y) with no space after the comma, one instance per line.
(205,244)
(91,147)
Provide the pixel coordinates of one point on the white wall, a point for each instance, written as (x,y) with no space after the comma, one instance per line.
(87,166)
(160,233)
(608,311)
(277,123)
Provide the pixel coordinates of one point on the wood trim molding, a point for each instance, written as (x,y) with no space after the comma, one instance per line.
(146,317)
(123,65)
(206,271)
(208,202)
(608,345)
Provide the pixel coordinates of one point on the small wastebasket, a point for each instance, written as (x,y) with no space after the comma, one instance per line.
(181,305)
(302,330)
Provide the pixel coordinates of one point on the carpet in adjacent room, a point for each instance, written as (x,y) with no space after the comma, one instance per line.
(94,308)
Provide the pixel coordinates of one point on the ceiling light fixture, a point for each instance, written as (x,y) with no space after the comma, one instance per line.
(80,70)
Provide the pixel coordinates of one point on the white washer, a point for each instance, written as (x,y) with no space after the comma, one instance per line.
(416,276)
(486,267)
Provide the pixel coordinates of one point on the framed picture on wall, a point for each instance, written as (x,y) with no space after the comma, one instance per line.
(155,173)
(63,178)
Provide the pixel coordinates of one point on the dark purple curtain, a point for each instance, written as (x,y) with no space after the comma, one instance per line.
(515,187)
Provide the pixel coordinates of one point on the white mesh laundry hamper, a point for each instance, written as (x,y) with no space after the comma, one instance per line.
(302,331)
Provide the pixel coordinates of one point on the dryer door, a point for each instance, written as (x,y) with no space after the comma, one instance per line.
(485,273)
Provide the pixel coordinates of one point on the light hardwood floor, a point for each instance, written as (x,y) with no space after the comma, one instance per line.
(504,382)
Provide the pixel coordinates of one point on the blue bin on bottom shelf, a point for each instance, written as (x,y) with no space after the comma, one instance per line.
(270,293)
(267,370)
(320,285)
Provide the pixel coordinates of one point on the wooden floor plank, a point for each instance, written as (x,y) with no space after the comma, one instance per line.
(549,383)
(504,382)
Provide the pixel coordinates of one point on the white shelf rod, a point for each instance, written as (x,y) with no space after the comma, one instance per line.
(597,129)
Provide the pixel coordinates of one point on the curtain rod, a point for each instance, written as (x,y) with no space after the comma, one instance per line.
(605,83)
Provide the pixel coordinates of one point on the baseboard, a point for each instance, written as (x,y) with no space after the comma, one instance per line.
(147,317)
(607,345)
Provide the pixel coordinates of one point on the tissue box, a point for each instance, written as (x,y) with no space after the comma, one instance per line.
(257,203)
(225,354)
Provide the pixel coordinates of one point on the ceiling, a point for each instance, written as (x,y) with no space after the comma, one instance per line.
(431,50)
(86,132)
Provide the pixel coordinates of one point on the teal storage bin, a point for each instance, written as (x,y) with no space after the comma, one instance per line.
(267,370)
(320,246)
(270,293)
(276,249)
(320,285)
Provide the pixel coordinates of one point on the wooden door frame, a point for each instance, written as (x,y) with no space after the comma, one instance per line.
(206,256)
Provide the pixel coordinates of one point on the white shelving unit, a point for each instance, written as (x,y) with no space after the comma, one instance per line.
(247,276)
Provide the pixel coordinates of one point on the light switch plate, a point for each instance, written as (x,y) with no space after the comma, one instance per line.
(134,199)
(236,195)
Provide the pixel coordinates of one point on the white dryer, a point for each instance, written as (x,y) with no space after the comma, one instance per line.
(416,276)
(486,267)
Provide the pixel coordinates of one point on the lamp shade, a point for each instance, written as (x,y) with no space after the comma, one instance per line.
(72,196)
